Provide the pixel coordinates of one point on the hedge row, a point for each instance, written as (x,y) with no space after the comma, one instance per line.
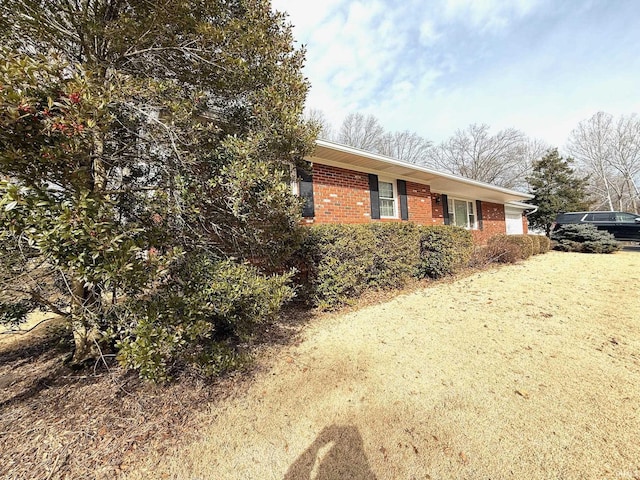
(513,248)
(337,263)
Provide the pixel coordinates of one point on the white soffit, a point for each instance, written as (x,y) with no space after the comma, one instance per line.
(336,155)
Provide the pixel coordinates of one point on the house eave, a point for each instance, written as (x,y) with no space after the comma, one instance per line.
(343,156)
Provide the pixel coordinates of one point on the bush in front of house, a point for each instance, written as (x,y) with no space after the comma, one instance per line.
(338,262)
(201,324)
(444,249)
(545,243)
(397,252)
(511,248)
(535,244)
(584,238)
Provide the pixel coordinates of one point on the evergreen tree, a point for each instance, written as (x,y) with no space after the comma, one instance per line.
(145,156)
(556,188)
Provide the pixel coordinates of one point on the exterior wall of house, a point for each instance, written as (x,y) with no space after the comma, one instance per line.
(342,196)
(419,203)
(437,209)
(525,224)
(493,222)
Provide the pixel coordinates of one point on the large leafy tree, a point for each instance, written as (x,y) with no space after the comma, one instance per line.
(145,152)
(556,188)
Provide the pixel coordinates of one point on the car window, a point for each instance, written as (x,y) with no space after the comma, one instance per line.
(603,217)
(569,217)
(588,217)
(625,218)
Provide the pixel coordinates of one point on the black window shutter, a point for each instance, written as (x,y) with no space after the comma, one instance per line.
(402,193)
(445,209)
(306,192)
(375,196)
(479,213)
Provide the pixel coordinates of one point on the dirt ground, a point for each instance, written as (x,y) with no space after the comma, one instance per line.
(524,371)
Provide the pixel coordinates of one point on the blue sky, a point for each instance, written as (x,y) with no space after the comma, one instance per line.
(435,66)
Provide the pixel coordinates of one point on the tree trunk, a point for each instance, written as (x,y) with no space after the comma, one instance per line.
(86,333)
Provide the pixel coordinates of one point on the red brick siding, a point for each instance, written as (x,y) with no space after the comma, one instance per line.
(419,203)
(437,209)
(340,195)
(525,225)
(493,222)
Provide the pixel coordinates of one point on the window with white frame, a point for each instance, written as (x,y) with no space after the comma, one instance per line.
(387,193)
(462,213)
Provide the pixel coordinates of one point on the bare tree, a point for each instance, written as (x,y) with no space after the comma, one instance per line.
(318,119)
(360,131)
(626,157)
(502,159)
(609,150)
(589,143)
(407,146)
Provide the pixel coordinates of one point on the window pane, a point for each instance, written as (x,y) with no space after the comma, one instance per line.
(386,208)
(385,190)
(602,217)
(460,208)
(625,218)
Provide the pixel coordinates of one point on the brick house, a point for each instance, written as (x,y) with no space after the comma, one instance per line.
(348,185)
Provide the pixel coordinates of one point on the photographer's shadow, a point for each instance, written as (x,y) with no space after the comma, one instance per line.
(337,453)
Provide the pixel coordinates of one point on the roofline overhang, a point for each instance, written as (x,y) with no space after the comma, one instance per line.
(344,156)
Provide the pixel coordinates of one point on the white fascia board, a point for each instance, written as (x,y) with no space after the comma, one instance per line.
(373,162)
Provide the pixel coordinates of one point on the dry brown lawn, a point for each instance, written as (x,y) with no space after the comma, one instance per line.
(526,371)
(530,371)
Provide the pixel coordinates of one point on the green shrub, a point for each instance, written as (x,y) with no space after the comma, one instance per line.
(15,313)
(200,323)
(339,262)
(396,254)
(584,238)
(444,249)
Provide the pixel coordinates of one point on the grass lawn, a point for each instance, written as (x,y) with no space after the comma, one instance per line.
(523,371)
(526,371)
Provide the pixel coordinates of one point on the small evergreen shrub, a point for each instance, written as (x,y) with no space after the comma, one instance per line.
(339,262)
(535,244)
(15,313)
(337,259)
(500,250)
(444,249)
(510,248)
(200,324)
(396,254)
(584,238)
(545,243)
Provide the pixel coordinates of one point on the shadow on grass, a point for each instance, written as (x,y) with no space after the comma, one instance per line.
(337,453)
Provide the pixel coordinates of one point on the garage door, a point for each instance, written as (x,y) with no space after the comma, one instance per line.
(513,217)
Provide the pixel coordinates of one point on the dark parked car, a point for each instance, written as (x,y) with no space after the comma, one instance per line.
(623,226)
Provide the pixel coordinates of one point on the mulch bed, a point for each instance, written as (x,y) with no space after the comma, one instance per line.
(56,423)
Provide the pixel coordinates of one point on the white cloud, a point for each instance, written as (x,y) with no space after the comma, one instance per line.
(428,33)
(436,67)
(488,15)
